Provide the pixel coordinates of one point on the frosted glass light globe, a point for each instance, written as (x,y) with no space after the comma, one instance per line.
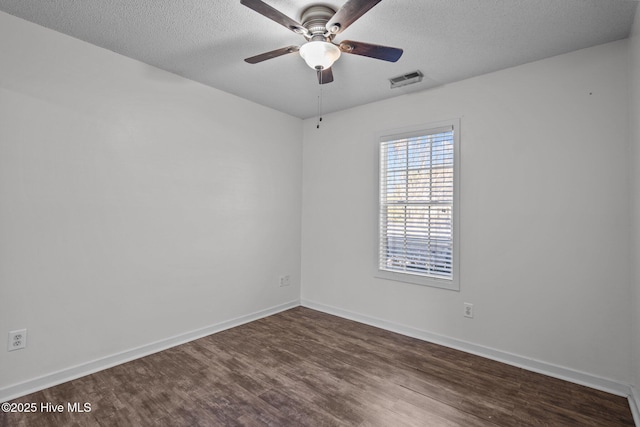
(319,55)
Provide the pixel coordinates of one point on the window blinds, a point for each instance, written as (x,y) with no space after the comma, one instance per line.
(416,204)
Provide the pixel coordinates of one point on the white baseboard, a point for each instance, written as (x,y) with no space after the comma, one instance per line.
(634,404)
(540,367)
(71,373)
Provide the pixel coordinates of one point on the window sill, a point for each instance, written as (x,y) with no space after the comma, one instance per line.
(414,279)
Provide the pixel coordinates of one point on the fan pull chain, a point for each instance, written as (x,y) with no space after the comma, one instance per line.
(319,100)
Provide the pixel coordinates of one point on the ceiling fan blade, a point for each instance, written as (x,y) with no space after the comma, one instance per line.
(275,15)
(272,54)
(325,76)
(349,13)
(386,53)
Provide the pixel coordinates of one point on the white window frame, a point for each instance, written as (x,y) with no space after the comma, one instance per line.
(408,132)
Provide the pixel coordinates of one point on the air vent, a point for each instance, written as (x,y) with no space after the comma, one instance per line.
(406,79)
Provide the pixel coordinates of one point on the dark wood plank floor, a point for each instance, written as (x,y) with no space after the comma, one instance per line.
(306,368)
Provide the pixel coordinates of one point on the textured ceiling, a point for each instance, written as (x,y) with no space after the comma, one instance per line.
(448,40)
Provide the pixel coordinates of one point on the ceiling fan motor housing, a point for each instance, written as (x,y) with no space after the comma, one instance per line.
(315,19)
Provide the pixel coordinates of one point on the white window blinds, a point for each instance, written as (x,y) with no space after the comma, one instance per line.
(416,204)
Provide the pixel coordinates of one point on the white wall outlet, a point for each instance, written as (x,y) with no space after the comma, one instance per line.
(468,310)
(17,340)
(285,280)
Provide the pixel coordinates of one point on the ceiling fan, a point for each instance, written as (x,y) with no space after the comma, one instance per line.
(320,24)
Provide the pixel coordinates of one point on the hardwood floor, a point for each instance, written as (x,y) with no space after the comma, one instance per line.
(306,368)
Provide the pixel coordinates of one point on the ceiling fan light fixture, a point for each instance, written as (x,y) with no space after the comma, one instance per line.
(319,55)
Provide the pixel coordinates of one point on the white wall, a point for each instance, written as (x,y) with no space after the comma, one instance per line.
(544,212)
(134,205)
(634,126)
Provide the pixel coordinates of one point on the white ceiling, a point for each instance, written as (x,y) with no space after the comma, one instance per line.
(448,40)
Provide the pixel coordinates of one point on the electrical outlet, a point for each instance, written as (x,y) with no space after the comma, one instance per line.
(285,280)
(468,310)
(17,340)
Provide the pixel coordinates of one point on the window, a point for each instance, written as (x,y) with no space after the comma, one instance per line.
(417,223)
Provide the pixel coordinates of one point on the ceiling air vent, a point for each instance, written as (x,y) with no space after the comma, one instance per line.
(406,79)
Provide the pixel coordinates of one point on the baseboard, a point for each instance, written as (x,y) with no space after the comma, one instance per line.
(634,404)
(71,373)
(540,367)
